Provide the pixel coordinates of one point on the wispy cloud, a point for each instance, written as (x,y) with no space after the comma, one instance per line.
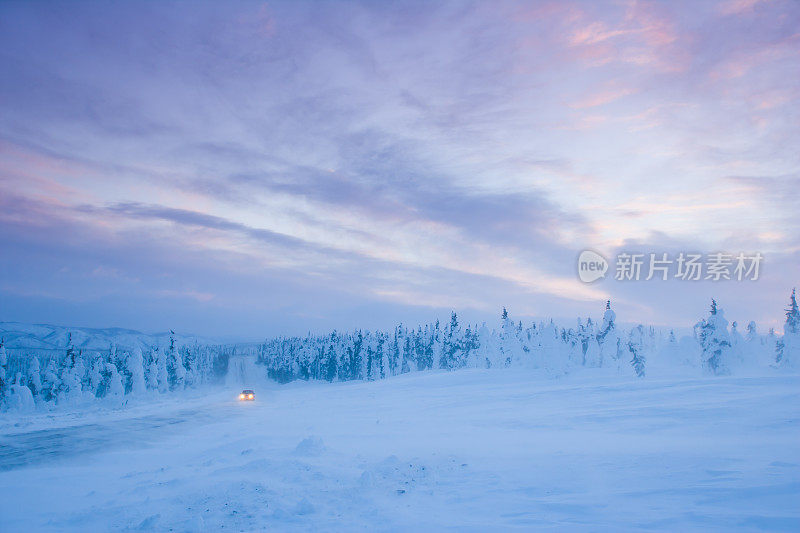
(379,155)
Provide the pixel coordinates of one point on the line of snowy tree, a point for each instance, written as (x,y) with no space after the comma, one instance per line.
(78,376)
(715,347)
(723,350)
(357,355)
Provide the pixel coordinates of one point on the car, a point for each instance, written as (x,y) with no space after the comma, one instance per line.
(247,395)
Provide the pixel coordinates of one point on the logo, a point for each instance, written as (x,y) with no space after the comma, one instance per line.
(591,266)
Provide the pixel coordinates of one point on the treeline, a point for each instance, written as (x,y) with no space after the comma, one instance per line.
(714,347)
(76,376)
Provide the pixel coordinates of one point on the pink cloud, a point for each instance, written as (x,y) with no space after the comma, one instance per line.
(641,35)
(603,98)
(595,32)
(738,7)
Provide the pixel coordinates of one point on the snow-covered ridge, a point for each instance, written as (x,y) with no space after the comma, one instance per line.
(44,337)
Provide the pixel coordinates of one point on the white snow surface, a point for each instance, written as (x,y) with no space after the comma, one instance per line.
(472,450)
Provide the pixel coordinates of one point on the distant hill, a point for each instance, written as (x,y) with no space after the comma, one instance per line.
(37,337)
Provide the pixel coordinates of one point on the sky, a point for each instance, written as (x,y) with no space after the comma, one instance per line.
(251,169)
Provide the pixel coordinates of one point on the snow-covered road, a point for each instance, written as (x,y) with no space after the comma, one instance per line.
(468,450)
(30,448)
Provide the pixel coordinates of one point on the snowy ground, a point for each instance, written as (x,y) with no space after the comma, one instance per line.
(467,450)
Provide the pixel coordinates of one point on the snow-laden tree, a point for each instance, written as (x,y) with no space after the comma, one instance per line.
(592,355)
(51,383)
(380,354)
(608,338)
(788,348)
(330,368)
(355,357)
(486,348)
(451,345)
(636,349)
(712,334)
(424,347)
(114,386)
(510,346)
(135,365)
(394,353)
(162,376)
(34,377)
(70,389)
(151,369)
(175,370)
(20,397)
(436,346)
(190,364)
(96,374)
(3,364)
(575,346)
(752,337)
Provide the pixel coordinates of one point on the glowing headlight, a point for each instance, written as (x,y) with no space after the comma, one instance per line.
(241,396)
(251,396)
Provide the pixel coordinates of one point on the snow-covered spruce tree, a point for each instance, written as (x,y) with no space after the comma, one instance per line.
(176,373)
(607,337)
(755,349)
(105,376)
(51,383)
(3,364)
(483,358)
(409,350)
(751,336)
(114,385)
(380,355)
(575,346)
(788,348)
(71,378)
(592,355)
(370,360)
(450,344)
(96,375)
(331,368)
(470,345)
(34,381)
(426,347)
(161,367)
(436,345)
(395,354)
(712,334)
(510,347)
(189,356)
(151,369)
(135,365)
(20,397)
(356,357)
(636,348)
(771,344)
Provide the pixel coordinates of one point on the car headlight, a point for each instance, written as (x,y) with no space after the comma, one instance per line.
(241,396)
(251,396)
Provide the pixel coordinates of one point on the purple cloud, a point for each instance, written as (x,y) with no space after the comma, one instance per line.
(254,160)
